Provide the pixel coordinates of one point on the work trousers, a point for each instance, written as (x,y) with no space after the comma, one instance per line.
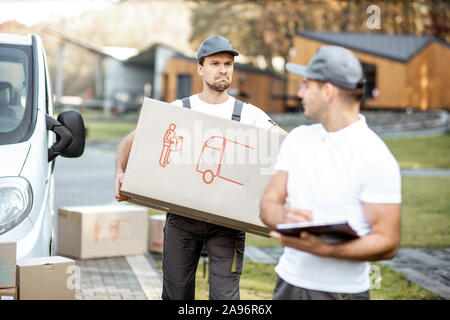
(286,291)
(184,239)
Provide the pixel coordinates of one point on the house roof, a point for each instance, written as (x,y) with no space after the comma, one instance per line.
(144,57)
(118,53)
(390,46)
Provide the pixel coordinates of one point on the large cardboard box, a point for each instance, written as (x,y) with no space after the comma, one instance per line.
(217,172)
(8,294)
(156,232)
(7,264)
(102,231)
(47,278)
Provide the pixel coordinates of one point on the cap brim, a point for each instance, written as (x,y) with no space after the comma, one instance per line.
(234,53)
(297,69)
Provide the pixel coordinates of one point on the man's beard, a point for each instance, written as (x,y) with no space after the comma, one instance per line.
(221,86)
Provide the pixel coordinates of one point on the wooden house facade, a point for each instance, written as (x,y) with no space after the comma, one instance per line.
(402,71)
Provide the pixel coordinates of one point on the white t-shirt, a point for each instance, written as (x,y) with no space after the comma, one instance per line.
(250,114)
(331,174)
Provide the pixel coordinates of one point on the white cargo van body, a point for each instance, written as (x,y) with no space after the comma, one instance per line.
(27,214)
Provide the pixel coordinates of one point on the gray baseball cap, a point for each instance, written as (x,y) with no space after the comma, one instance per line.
(333,64)
(215,44)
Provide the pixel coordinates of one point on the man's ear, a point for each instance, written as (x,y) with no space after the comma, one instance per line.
(330,91)
(200,69)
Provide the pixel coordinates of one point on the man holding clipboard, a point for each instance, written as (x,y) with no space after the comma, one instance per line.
(335,170)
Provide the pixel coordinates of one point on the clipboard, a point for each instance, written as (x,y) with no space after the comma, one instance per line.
(338,230)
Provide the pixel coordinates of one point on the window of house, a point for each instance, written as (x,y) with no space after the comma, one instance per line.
(184,85)
(370,73)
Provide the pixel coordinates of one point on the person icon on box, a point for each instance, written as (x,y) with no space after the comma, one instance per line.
(171,143)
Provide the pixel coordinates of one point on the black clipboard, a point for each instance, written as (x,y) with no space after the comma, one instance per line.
(338,230)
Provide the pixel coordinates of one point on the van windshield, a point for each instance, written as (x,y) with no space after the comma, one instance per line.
(15,92)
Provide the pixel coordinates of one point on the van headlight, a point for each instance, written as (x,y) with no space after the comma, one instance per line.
(16,200)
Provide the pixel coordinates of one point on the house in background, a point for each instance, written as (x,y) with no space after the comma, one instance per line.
(124,77)
(402,71)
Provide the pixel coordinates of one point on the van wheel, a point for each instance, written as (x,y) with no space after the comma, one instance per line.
(208,176)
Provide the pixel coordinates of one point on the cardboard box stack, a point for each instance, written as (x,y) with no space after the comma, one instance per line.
(102,231)
(156,232)
(47,278)
(8,271)
(217,173)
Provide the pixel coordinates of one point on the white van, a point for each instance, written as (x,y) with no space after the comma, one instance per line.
(30,139)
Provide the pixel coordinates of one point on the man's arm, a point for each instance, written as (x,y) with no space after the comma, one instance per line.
(123,152)
(272,211)
(272,203)
(382,243)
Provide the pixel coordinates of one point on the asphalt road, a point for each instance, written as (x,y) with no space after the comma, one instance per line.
(88,180)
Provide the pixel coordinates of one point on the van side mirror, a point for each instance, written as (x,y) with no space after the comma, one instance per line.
(70,135)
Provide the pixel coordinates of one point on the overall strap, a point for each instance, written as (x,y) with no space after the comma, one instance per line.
(186,103)
(238,104)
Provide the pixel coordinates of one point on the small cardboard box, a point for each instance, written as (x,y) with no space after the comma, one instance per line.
(8,294)
(7,264)
(217,172)
(156,232)
(47,278)
(102,231)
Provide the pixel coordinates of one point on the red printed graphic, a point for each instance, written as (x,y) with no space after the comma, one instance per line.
(107,231)
(214,147)
(171,143)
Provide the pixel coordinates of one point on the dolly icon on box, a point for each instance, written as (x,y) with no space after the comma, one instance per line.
(214,148)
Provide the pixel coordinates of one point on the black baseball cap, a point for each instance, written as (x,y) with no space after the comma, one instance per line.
(333,64)
(215,44)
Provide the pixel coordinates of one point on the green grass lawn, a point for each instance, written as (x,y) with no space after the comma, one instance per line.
(421,152)
(425,212)
(108,131)
(257,282)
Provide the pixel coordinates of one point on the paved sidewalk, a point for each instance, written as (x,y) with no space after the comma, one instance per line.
(120,278)
(430,268)
(445,173)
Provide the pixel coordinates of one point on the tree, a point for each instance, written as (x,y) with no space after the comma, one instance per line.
(267,28)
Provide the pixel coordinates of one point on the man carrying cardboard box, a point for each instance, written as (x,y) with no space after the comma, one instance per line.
(184,238)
